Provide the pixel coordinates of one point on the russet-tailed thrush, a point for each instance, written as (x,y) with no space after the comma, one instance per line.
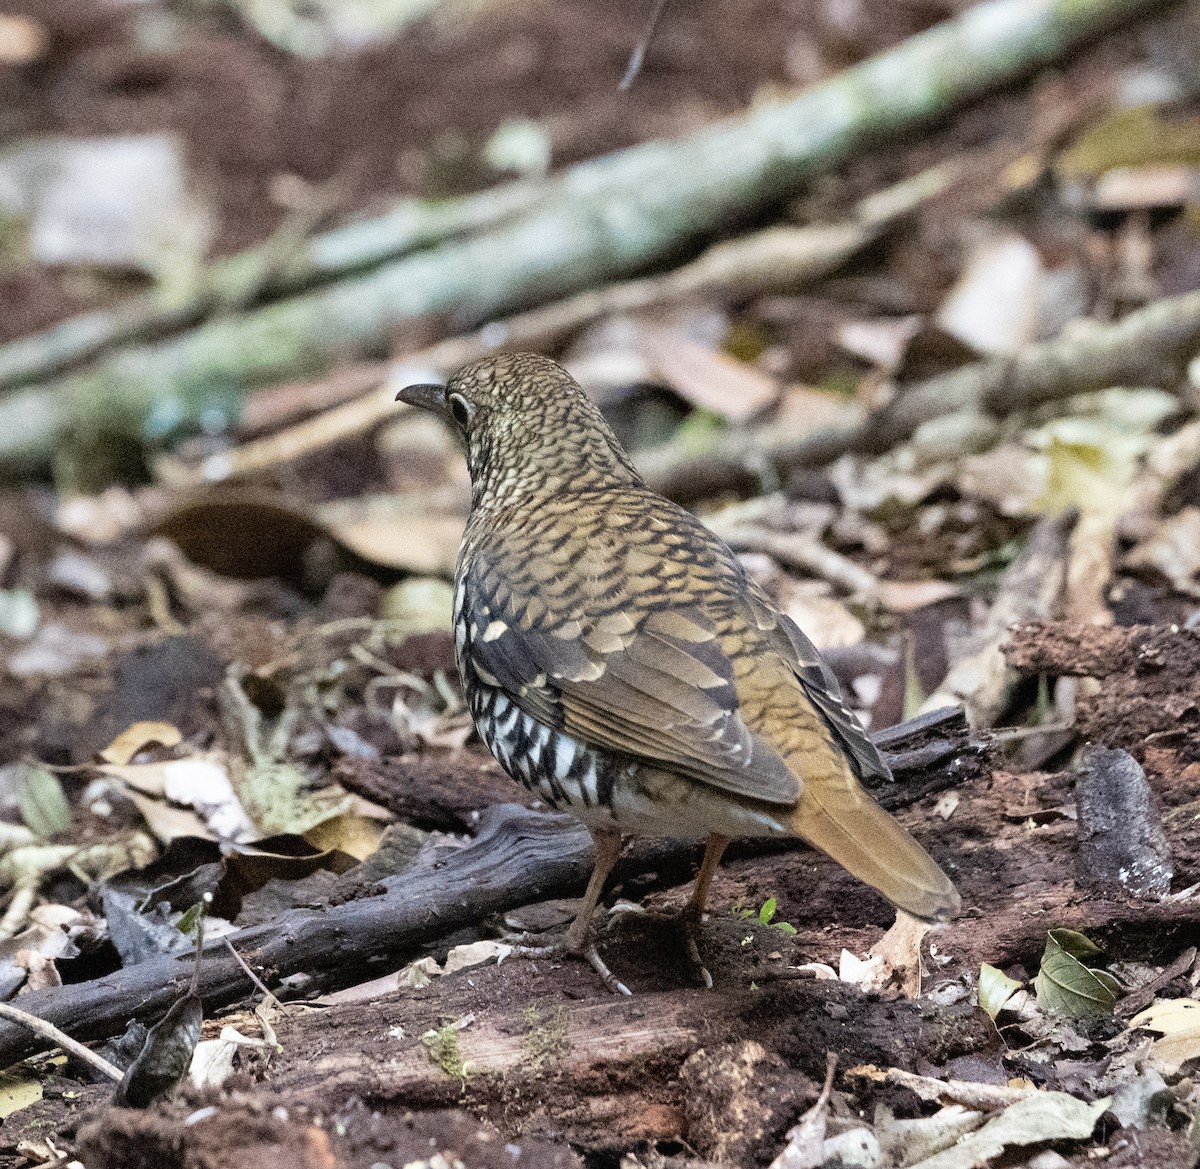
(619,661)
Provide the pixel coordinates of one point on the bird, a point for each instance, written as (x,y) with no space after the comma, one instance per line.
(621,663)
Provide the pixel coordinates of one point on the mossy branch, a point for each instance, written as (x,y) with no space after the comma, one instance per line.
(599,221)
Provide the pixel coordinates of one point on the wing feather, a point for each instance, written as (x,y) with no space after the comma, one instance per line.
(823,691)
(658,688)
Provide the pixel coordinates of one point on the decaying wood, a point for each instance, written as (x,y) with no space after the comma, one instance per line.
(444,799)
(519,856)
(594,1055)
(1050,647)
(605,219)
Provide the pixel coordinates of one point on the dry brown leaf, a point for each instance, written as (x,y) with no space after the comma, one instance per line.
(1089,567)
(993,307)
(804,409)
(425,544)
(706,377)
(906,596)
(22,40)
(1178,1022)
(212,1059)
(1009,476)
(946,805)
(868,974)
(882,341)
(1172,549)
(900,949)
(199,783)
(137,738)
(167,822)
(349,832)
(1141,188)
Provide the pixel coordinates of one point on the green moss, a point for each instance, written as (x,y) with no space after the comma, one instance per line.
(545,1041)
(442,1046)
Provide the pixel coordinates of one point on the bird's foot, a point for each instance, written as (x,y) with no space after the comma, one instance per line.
(586,950)
(685,919)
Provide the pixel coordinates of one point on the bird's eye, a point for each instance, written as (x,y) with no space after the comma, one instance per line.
(461,409)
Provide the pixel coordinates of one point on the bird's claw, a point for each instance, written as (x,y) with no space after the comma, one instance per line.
(587,952)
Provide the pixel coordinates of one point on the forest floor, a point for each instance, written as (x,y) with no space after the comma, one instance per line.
(263,709)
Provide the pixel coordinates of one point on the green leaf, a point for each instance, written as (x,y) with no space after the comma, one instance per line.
(41,801)
(1064,984)
(995,989)
(767,911)
(784,927)
(187,923)
(1072,942)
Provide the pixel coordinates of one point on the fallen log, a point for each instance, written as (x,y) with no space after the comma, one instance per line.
(615,1064)
(519,856)
(411,224)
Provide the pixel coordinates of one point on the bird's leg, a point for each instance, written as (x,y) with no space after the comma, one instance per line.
(714,848)
(578,941)
(607,844)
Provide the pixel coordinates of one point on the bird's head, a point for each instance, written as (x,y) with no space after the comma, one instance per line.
(528,427)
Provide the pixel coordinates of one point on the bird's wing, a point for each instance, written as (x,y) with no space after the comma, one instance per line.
(822,690)
(649,682)
(834,812)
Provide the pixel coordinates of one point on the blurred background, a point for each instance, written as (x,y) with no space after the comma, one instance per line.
(799,261)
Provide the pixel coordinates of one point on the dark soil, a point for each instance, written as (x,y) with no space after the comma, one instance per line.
(548,1056)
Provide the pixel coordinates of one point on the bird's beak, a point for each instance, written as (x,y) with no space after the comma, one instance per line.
(426,396)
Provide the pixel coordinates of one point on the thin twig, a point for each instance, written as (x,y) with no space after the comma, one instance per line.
(247,971)
(75,1048)
(642,47)
(1141,998)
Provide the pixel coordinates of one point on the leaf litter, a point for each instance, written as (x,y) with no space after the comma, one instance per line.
(278,776)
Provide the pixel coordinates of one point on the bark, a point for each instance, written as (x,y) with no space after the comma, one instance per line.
(411,224)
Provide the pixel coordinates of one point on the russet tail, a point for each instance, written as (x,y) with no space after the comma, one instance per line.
(867,842)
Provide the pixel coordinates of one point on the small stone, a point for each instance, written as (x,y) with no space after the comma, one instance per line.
(1122,846)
